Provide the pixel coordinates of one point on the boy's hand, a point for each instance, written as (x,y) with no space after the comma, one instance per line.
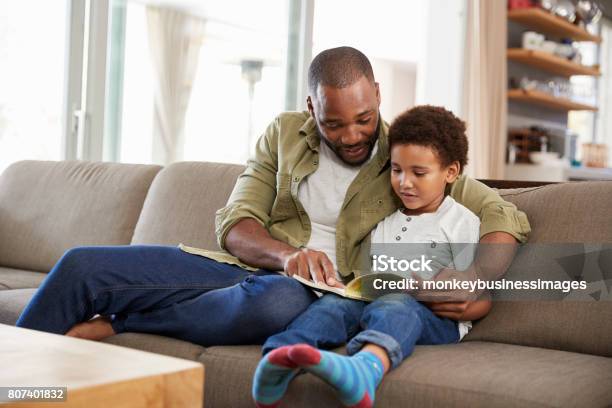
(312,265)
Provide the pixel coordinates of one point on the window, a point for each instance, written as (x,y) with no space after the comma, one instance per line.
(584,89)
(240,83)
(138,86)
(238,88)
(32,55)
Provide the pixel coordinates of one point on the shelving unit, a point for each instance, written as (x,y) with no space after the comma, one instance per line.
(547,23)
(535,110)
(549,62)
(544,22)
(549,101)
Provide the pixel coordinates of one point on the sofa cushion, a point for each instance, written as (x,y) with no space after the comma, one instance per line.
(566,212)
(12,303)
(475,374)
(18,278)
(157,344)
(49,207)
(182,202)
(566,215)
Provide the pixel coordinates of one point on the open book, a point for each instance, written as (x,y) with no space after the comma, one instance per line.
(366,287)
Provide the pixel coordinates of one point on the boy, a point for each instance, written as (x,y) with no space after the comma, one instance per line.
(428,150)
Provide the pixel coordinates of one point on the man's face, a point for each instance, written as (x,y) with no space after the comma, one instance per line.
(347,119)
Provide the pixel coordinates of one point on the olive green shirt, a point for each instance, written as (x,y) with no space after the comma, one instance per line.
(287,153)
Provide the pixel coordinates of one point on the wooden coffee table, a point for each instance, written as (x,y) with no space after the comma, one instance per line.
(95,374)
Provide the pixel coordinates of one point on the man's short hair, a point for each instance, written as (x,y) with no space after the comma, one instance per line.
(434,127)
(338,67)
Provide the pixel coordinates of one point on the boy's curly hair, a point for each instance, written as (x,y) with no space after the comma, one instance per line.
(434,127)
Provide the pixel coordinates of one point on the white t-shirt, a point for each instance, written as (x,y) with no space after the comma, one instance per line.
(322,195)
(444,234)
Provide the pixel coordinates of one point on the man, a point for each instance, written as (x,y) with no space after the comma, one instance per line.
(306,203)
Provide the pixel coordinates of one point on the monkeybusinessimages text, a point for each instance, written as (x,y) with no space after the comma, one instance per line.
(384,263)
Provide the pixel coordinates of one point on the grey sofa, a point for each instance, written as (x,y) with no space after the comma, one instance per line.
(533,354)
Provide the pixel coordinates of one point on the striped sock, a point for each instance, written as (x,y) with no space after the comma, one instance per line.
(272,376)
(355,378)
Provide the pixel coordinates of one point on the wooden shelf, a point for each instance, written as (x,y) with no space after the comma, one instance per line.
(549,101)
(550,62)
(547,23)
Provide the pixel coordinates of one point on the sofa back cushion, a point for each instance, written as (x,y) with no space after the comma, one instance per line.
(182,202)
(570,214)
(49,207)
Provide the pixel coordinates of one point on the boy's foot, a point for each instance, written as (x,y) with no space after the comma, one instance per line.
(355,377)
(97,328)
(272,377)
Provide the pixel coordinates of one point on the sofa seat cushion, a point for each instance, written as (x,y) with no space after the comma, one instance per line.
(12,303)
(18,279)
(157,344)
(474,374)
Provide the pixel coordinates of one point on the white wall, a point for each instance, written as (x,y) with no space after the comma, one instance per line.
(397,81)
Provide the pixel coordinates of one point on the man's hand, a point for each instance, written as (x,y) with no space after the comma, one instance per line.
(253,245)
(495,254)
(311,264)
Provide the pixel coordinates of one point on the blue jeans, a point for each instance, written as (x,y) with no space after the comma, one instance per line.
(163,290)
(395,322)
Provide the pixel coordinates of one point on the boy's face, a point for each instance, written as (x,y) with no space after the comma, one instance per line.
(418,178)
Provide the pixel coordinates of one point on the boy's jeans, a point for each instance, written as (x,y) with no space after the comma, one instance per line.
(395,322)
(163,290)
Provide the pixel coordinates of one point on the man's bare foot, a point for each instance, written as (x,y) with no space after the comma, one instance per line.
(97,328)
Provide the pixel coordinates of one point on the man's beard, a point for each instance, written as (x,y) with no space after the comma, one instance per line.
(336,148)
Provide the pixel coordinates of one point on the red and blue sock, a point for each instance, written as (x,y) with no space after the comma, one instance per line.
(272,377)
(355,378)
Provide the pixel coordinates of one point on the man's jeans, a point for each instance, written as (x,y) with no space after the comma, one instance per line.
(395,322)
(163,290)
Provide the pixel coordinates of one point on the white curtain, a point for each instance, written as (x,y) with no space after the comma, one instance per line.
(174,43)
(485,79)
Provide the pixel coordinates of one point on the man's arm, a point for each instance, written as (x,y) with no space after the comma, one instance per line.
(255,190)
(495,254)
(496,251)
(253,245)
(502,227)
(496,215)
(241,224)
